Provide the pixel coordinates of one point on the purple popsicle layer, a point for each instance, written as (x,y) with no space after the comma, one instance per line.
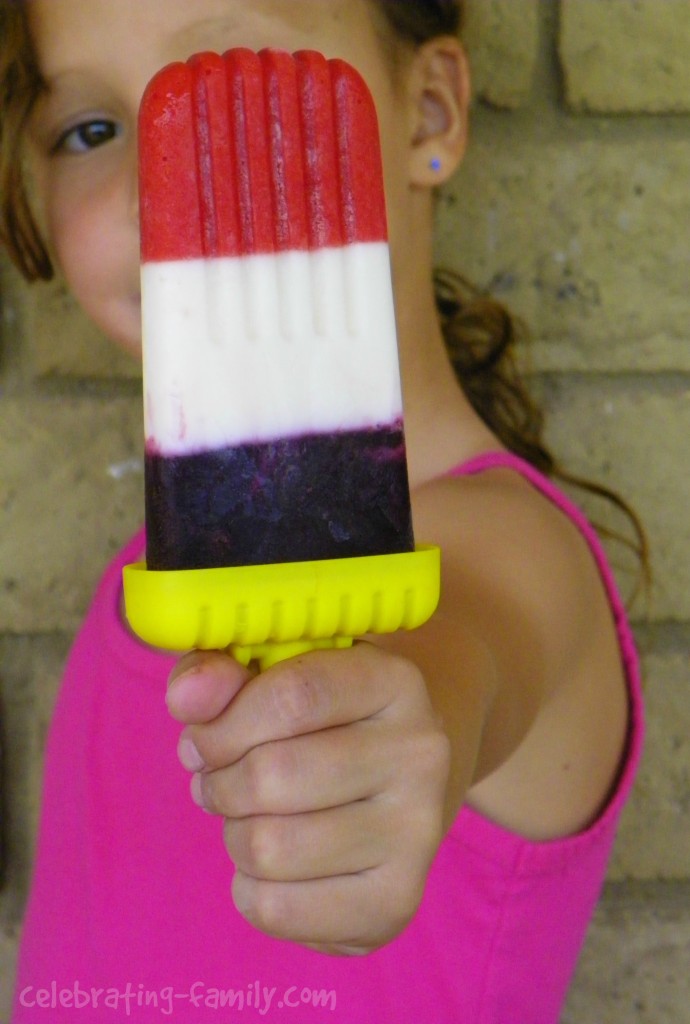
(321,496)
(272,390)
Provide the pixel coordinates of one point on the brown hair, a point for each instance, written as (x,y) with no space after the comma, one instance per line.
(480,333)
(20,85)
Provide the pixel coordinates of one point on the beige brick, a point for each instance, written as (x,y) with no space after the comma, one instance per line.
(70,493)
(585,240)
(622,56)
(31,671)
(501,38)
(12,353)
(8,959)
(632,435)
(654,838)
(634,967)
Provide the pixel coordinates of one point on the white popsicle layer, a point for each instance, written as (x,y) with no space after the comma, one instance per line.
(253,348)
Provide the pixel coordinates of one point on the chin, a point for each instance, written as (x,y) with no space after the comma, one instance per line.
(126,342)
(131,346)
(123,331)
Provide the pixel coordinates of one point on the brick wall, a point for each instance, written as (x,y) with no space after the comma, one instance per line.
(573,206)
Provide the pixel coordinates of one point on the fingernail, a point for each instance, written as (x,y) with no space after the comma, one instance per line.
(189,756)
(195,790)
(187,689)
(188,664)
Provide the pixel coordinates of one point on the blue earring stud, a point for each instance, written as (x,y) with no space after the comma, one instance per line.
(435,164)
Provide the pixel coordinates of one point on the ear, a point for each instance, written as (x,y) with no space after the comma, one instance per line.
(440,94)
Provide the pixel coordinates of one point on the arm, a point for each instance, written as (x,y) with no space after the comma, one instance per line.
(523,594)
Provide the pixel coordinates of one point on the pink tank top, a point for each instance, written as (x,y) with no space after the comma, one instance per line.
(130,916)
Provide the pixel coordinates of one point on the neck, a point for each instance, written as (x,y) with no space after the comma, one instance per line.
(442,429)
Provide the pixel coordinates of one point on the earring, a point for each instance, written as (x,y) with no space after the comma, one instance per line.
(435,164)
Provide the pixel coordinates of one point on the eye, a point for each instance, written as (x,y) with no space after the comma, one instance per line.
(88,135)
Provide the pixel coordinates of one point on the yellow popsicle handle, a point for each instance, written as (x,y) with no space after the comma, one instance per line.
(271,653)
(271,612)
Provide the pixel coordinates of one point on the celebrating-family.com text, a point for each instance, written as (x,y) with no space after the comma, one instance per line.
(128,999)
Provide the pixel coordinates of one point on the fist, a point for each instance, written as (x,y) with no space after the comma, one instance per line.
(330,770)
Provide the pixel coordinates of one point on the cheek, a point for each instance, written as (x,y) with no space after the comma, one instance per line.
(97,253)
(78,230)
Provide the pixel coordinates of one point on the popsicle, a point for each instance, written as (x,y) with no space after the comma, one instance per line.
(273,411)
(277,498)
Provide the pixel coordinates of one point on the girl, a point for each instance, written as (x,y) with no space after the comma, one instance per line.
(442,801)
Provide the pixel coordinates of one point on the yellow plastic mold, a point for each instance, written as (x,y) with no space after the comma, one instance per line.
(271,612)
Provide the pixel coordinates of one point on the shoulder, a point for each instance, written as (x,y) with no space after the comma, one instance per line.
(501,533)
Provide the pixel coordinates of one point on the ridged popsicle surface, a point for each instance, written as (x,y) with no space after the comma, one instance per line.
(272,391)
(248,153)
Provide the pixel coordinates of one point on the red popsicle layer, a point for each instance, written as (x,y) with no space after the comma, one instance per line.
(258,153)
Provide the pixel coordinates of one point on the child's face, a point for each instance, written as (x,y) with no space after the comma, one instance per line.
(97,56)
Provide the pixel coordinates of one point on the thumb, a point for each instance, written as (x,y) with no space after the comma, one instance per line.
(202,684)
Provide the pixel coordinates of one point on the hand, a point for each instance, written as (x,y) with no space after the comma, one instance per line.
(330,771)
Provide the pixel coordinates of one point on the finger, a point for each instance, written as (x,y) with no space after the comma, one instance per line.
(350,912)
(202,685)
(295,848)
(316,691)
(304,773)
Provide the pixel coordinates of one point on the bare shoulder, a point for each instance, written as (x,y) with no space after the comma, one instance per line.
(518,572)
(499,530)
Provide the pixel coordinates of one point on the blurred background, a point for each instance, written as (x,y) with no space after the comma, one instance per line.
(573,208)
